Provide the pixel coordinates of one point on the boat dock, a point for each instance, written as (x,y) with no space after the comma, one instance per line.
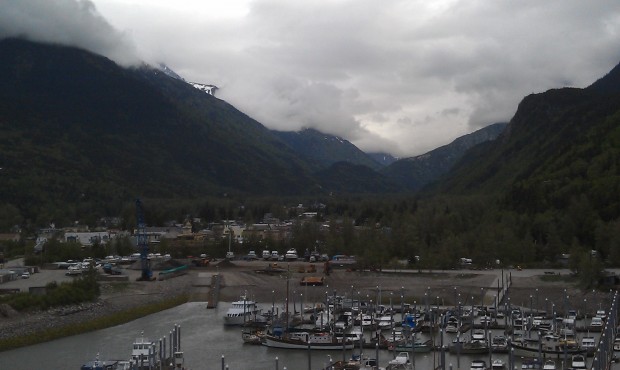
(214,292)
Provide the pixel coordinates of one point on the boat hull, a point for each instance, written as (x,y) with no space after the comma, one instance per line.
(527,351)
(278,342)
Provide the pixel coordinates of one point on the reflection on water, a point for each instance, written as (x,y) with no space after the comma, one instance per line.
(204,341)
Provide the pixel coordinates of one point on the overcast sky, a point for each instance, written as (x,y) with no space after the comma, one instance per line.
(402,77)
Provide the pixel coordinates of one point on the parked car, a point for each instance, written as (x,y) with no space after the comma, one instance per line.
(230,255)
(266,254)
(75,269)
(25,275)
(251,256)
(275,256)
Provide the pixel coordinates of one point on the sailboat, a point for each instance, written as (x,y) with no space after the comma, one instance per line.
(281,337)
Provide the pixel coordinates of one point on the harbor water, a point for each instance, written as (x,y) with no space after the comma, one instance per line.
(204,340)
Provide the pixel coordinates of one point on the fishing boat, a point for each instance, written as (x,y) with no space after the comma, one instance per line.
(305,340)
(548,346)
(243,312)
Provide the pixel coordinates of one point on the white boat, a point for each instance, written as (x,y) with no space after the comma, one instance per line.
(384,322)
(401,361)
(143,352)
(291,255)
(617,344)
(303,340)
(370,364)
(478,365)
(478,335)
(578,362)
(179,360)
(243,311)
(531,364)
(452,326)
(588,344)
(498,364)
(499,344)
(366,320)
(549,365)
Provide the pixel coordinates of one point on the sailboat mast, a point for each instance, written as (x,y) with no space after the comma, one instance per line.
(287,284)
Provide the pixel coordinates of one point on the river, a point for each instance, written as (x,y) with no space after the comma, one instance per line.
(204,341)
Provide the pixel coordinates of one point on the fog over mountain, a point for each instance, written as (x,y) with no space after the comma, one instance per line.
(401,77)
(68,22)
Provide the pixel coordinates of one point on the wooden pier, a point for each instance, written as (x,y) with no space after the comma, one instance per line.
(214,292)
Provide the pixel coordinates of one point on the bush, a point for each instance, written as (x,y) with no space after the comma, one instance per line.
(80,290)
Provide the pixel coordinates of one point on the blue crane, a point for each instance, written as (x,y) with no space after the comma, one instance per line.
(142,243)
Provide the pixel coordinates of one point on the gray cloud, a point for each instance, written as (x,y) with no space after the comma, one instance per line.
(402,76)
(69,22)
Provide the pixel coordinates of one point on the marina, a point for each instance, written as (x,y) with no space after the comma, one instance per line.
(207,343)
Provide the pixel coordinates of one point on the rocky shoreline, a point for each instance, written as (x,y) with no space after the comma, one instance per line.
(137,294)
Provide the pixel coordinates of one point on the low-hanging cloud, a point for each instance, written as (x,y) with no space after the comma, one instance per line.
(400,76)
(69,22)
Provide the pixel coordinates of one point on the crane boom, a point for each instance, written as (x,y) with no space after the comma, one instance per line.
(142,243)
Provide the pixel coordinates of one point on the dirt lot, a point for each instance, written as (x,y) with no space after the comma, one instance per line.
(442,287)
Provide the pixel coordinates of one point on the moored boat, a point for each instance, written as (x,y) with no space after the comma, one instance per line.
(478,365)
(418,346)
(252,337)
(303,340)
(243,312)
(469,348)
(400,362)
(143,352)
(532,363)
(617,343)
(578,362)
(105,365)
(548,347)
(499,344)
(498,364)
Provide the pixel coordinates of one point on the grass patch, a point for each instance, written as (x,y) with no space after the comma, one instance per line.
(103,322)
(558,278)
